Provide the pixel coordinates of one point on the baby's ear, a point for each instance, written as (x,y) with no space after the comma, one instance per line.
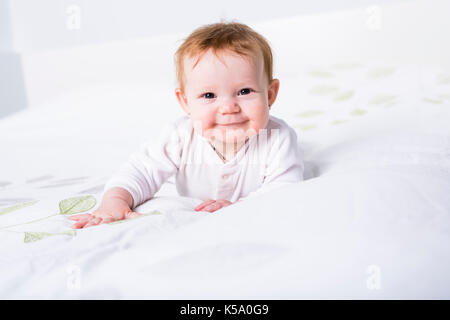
(272,92)
(182,100)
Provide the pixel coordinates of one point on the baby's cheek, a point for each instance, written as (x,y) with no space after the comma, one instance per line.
(202,121)
(209,119)
(259,116)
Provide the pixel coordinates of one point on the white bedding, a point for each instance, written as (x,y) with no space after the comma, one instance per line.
(371,220)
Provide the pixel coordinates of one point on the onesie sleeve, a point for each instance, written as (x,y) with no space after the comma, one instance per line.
(147,169)
(284,162)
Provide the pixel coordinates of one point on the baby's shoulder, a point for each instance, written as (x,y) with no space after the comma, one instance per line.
(179,127)
(278,128)
(182,123)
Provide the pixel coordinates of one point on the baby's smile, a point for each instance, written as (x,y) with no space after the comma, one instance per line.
(232,123)
(226,95)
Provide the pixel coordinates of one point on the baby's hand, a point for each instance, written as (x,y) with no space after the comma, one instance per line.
(103,215)
(212,205)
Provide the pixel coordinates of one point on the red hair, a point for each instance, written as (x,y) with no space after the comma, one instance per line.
(222,36)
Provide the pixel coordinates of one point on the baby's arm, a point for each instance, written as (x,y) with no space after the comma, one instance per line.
(116,205)
(136,181)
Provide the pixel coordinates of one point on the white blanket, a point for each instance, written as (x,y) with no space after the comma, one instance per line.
(371,220)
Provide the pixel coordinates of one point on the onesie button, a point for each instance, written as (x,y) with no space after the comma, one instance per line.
(225,176)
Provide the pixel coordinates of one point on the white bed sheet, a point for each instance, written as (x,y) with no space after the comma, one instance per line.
(371,219)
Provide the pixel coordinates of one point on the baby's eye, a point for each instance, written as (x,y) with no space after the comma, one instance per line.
(245,91)
(208,95)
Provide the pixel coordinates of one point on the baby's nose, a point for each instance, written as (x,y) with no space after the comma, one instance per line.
(229,106)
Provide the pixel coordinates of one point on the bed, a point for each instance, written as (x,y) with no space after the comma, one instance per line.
(371,220)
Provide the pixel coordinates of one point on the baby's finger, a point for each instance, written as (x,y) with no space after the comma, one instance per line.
(83,222)
(204,204)
(93,222)
(78,217)
(212,207)
(79,225)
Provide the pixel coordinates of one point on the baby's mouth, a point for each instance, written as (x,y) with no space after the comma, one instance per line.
(234,123)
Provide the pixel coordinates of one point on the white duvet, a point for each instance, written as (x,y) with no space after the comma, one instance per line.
(370,221)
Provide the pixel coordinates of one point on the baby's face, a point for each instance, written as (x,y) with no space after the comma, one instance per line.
(227,102)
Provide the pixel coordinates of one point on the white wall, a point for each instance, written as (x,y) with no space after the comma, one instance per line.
(5,27)
(49,47)
(45,24)
(12,87)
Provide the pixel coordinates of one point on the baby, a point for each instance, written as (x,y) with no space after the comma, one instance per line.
(227,147)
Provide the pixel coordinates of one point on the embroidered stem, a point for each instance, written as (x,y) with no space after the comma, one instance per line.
(32,221)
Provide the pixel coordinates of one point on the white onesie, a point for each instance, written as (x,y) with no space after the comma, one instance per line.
(267,160)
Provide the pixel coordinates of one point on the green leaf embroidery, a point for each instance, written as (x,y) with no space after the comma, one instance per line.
(306,127)
(309,113)
(76,204)
(380,72)
(443,79)
(320,74)
(67,206)
(381,99)
(432,100)
(346,66)
(336,122)
(344,95)
(72,233)
(17,206)
(358,112)
(445,96)
(36,236)
(323,90)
